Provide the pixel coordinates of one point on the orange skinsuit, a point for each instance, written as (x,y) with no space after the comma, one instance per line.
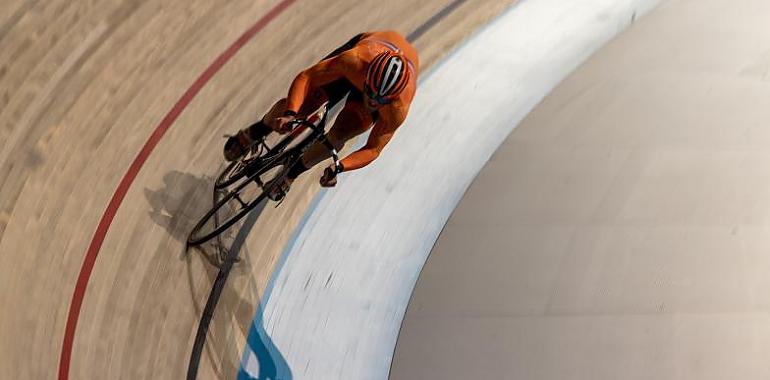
(347,70)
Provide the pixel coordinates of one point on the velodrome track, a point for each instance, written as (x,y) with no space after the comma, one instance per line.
(91,88)
(111,120)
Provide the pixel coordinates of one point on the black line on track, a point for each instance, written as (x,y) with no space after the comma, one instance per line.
(428,25)
(217,288)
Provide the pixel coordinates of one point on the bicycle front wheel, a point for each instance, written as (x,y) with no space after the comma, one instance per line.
(236,203)
(226,212)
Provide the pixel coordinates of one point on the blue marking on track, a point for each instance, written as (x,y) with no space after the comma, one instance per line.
(272,364)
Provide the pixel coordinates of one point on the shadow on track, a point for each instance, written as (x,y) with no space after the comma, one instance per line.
(175,207)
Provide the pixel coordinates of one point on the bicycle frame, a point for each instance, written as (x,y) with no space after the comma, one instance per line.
(316,122)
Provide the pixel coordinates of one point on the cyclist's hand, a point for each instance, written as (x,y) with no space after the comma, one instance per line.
(284,124)
(329,179)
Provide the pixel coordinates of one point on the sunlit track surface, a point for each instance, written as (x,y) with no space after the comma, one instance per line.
(82,86)
(621,231)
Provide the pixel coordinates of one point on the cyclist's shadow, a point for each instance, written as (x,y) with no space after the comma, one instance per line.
(178,205)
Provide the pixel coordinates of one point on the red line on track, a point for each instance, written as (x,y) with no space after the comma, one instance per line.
(133,170)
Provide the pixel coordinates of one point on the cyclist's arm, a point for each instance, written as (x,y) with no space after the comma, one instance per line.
(322,73)
(381,134)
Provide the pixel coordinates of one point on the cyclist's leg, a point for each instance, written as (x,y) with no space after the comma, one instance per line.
(236,146)
(262,127)
(312,103)
(352,121)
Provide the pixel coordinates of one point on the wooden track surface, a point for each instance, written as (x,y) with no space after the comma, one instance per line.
(83,84)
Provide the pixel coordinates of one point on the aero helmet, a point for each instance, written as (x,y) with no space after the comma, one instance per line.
(386,77)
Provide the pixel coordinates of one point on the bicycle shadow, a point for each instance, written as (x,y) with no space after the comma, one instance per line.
(176,207)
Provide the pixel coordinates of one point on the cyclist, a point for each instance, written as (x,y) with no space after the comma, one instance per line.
(378,73)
